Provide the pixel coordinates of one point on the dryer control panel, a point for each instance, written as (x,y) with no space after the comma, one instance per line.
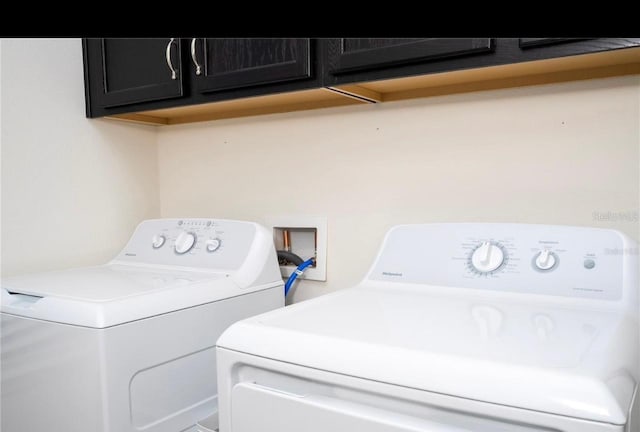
(542,259)
(201,243)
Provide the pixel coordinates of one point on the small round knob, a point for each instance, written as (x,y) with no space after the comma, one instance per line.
(213,244)
(184,242)
(487,257)
(157,241)
(545,260)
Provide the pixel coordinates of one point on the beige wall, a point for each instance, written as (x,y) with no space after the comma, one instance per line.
(73,189)
(546,154)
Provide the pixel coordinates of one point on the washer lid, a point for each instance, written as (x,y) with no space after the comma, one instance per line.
(111,294)
(104,283)
(577,363)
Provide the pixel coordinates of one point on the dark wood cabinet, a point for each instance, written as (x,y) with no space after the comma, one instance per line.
(350,55)
(223,64)
(133,75)
(143,76)
(120,72)
(353,61)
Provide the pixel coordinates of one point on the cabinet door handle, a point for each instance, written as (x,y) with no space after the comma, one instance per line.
(194,58)
(169,63)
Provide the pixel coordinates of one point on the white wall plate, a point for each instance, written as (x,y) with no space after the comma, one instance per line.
(319,272)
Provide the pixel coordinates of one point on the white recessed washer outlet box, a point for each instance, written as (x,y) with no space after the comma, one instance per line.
(305,236)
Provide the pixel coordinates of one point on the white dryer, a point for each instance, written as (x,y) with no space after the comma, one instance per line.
(457,327)
(130,345)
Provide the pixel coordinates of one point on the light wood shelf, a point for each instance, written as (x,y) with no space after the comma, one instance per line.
(580,67)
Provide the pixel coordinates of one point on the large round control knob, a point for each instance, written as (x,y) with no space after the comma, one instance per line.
(213,244)
(157,241)
(487,257)
(545,260)
(185,242)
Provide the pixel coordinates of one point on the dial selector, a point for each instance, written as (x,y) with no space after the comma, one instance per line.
(157,241)
(184,242)
(487,257)
(545,260)
(213,244)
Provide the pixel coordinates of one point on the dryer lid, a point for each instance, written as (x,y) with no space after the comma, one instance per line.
(111,294)
(577,363)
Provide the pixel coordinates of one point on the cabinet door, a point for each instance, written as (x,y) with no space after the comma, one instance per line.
(128,71)
(351,55)
(222,64)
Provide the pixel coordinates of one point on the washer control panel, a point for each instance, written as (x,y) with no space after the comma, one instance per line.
(543,259)
(206,243)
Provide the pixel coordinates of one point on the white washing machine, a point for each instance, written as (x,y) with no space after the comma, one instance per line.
(130,345)
(456,327)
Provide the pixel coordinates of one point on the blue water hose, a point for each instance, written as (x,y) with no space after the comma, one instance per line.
(297,272)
